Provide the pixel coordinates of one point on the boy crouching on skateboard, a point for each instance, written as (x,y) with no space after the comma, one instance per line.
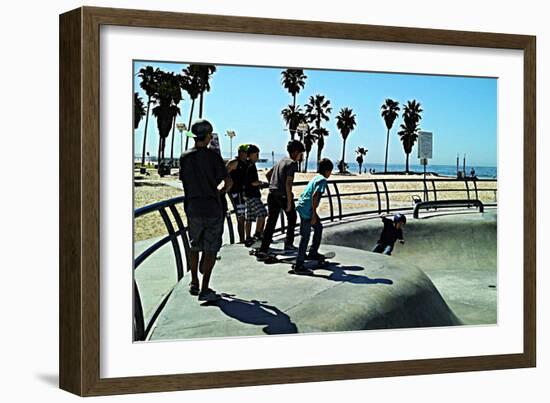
(307,209)
(393,230)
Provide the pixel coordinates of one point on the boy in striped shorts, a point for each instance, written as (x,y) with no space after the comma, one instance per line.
(255,209)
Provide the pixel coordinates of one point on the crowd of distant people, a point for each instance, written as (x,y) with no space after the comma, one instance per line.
(207,180)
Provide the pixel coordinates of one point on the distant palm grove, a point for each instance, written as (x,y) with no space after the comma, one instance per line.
(164,94)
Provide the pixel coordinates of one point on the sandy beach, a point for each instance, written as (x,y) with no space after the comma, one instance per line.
(152,188)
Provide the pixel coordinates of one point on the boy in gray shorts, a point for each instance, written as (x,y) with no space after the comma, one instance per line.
(202,171)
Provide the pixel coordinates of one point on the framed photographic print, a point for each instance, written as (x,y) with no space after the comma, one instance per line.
(249,201)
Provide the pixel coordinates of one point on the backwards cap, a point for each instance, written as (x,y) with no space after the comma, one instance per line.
(244,147)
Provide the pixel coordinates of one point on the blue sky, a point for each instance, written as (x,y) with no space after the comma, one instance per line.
(460,111)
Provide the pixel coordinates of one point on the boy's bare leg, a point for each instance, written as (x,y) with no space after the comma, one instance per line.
(248,227)
(240,229)
(207,264)
(194,266)
(260,226)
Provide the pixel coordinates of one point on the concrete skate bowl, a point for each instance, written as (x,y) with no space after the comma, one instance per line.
(458,252)
(444,275)
(358,291)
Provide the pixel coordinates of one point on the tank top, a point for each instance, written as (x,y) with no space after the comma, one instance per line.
(238,175)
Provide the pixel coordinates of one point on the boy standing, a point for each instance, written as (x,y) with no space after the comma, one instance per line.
(237,170)
(393,230)
(307,208)
(202,170)
(255,210)
(280,197)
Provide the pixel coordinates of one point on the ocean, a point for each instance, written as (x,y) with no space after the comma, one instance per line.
(443,170)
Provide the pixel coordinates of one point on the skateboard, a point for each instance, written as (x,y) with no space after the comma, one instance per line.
(275,252)
(312,264)
(309,264)
(292,258)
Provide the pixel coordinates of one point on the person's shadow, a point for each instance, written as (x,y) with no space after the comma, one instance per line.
(256,312)
(340,274)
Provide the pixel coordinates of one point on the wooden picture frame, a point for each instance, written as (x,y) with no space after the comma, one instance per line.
(80,197)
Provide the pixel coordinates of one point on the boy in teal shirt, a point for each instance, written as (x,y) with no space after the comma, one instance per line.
(307,209)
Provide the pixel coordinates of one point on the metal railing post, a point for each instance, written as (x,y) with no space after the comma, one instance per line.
(378,197)
(183,233)
(139,319)
(339,201)
(434,190)
(175,243)
(331,207)
(387,196)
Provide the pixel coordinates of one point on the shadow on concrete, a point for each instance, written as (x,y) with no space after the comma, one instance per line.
(256,312)
(339,273)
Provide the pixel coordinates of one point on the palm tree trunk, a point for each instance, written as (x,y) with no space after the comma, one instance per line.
(320,145)
(343,156)
(307,158)
(145,132)
(293,132)
(387,145)
(360,165)
(158,153)
(201,105)
(189,125)
(172,145)
(407,164)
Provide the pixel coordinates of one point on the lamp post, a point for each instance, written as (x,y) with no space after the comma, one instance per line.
(302,130)
(181,128)
(230,134)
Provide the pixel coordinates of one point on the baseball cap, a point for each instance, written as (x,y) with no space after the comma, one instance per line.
(200,129)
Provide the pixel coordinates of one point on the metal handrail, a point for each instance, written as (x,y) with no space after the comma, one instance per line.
(383,204)
(448,203)
(141,327)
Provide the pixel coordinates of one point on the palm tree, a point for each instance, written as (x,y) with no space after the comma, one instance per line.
(177,83)
(149,84)
(409,128)
(293,80)
(320,133)
(413,111)
(191,85)
(318,110)
(345,122)
(409,135)
(203,72)
(361,151)
(309,139)
(167,109)
(293,116)
(139,110)
(390,111)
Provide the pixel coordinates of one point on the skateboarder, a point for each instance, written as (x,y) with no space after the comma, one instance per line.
(307,209)
(280,197)
(255,209)
(237,170)
(393,230)
(202,171)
